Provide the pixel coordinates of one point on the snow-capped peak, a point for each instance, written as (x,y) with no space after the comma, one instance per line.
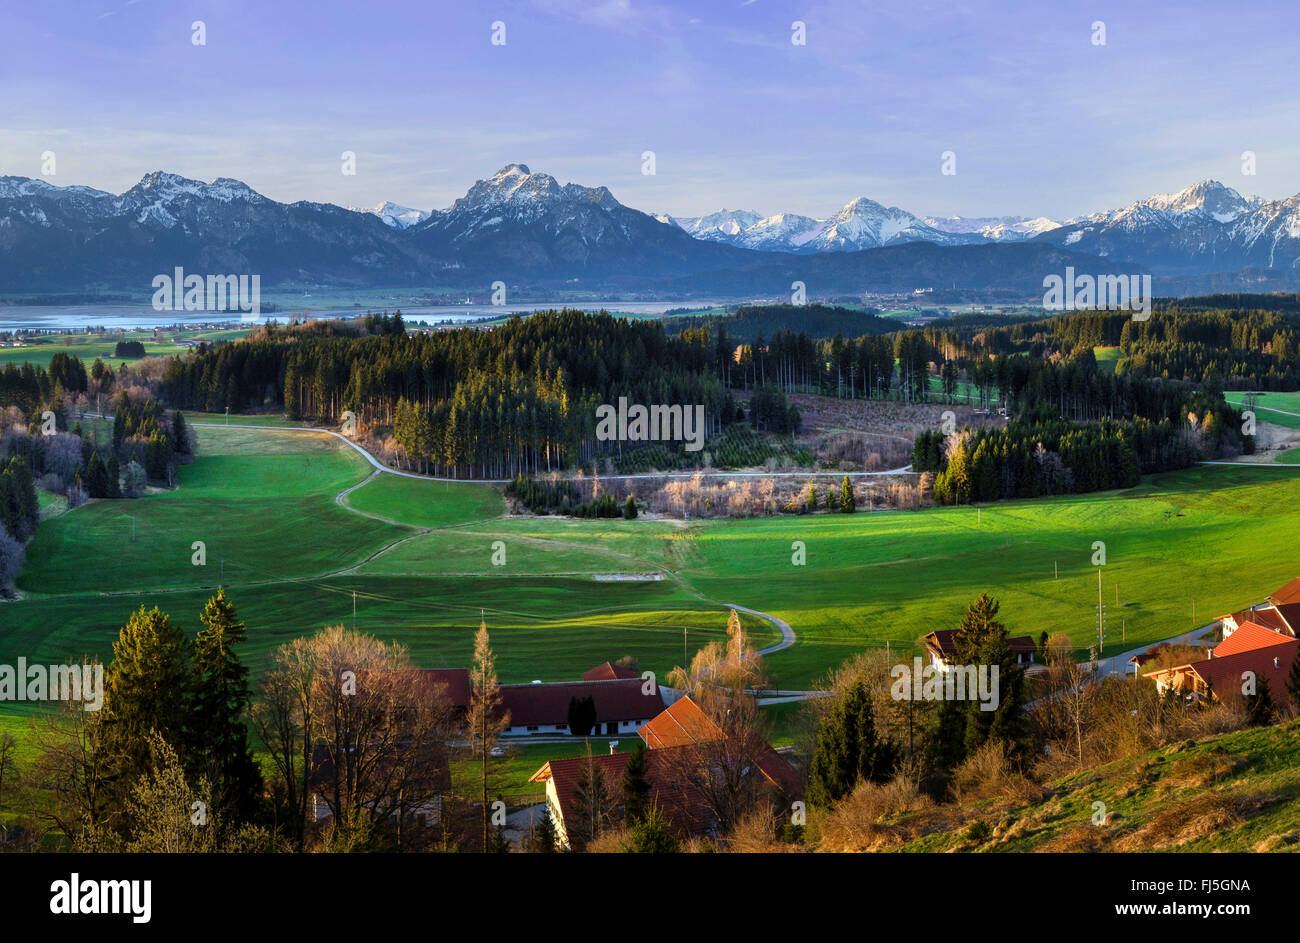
(1209,196)
(394,214)
(996,228)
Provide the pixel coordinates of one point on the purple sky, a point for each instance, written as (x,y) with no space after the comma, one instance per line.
(1042,121)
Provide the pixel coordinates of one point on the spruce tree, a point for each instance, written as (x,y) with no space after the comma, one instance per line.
(847,504)
(544,839)
(653,835)
(636,788)
(1293,679)
(96,477)
(591,805)
(147,688)
(981,640)
(180,433)
(114,477)
(848,751)
(221,701)
(1259,706)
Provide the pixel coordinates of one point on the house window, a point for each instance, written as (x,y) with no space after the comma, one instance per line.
(561,726)
(532,729)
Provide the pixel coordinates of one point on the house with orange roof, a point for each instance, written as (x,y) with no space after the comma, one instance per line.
(1281,613)
(1251,655)
(679,741)
(682,804)
(685,724)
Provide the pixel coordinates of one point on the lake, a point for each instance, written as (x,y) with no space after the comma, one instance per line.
(129,317)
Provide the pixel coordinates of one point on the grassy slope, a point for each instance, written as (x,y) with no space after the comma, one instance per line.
(265,503)
(1281,409)
(268,516)
(1236,792)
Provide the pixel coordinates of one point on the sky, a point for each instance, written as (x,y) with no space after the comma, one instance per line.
(1042,119)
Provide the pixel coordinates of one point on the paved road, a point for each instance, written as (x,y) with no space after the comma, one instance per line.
(1118,664)
(787,633)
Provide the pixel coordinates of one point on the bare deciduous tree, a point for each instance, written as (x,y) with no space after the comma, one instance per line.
(346,718)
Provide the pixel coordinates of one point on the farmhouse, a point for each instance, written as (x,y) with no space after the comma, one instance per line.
(1281,613)
(543,708)
(622,706)
(683,741)
(1252,650)
(681,803)
(943,649)
(685,724)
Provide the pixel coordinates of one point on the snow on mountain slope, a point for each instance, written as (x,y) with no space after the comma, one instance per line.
(394,214)
(996,228)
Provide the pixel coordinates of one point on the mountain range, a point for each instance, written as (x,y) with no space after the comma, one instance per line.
(528,230)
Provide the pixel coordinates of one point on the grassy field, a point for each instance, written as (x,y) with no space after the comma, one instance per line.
(294,559)
(269,419)
(89,346)
(1281,409)
(1107,358)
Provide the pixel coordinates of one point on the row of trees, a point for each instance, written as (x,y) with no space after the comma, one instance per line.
(1026,460)
(519,398)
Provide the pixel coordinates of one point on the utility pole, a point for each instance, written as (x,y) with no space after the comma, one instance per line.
(1056,570)
(1101,616)
(354,610)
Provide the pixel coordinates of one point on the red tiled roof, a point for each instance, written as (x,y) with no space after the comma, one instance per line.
(1270,665)
(1267,616)
(1249,637)
(456,681)
(681,803)
(942,641)
(608,672)
(544,704)
(680,724)
(685,723)
(1287,594)
(1289,612)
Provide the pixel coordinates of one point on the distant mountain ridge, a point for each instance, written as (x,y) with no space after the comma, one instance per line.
(525,228)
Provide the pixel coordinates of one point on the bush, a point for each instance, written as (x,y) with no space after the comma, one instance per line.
(133,480)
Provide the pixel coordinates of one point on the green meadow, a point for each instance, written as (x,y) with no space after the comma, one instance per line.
(89,346)
(1107,358)
(421,562)
(1281,409)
